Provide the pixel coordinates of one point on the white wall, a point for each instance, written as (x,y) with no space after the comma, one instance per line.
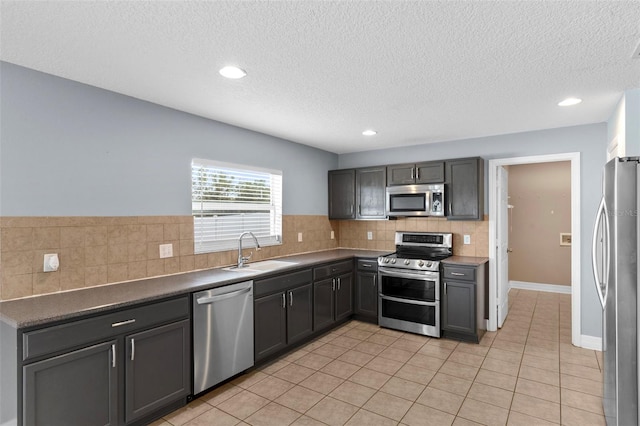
(68,149)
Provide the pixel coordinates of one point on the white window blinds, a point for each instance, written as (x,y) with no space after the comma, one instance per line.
(229,199)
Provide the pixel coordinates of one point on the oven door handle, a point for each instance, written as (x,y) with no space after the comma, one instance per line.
(409,301)
(428,276)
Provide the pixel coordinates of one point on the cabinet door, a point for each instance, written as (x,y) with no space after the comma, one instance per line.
(432,172)
(370,193)
(342,194)
(366,294)
(459,307)
(465,189)
(157,368)
(344,296)
(323,303)
(401,174)
(270,325)
(77,388)
(299,313)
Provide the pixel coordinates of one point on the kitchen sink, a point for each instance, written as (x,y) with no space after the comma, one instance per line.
(261,267)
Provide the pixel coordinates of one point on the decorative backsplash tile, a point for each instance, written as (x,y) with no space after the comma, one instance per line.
(100,250)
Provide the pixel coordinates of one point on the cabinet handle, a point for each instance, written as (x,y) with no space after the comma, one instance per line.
(367,265)
(417,173)
(445,288)
(113,355)
(121,323)
(290,298)
(333,284)
(133,349)
(412,174)
(284,301)
(338,284)
(457,274)
(375,280)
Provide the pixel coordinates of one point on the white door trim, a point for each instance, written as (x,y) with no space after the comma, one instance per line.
(574,158)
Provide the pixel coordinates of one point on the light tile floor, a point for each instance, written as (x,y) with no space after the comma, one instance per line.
(527,373)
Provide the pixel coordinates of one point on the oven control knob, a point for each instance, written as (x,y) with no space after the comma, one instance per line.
(393,261)
(407,261)
(429,264)
(386,260)
(420,263)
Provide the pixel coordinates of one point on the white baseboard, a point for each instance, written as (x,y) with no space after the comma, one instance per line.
(591,342)
(550,288)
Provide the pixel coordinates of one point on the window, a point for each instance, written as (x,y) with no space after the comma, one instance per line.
(229,199)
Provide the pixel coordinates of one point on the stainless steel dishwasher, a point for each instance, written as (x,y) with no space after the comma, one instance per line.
(222,334)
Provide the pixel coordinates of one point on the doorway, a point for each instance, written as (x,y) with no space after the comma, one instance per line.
(498,283)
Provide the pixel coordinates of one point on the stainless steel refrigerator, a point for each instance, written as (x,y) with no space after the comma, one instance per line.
(615,267)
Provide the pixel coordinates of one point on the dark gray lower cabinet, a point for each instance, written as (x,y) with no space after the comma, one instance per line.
(117,368)
(366,290)
(344,296)
(463,301)
(77,388)
(332,294)
(157,369)
(283,312)
(323,303)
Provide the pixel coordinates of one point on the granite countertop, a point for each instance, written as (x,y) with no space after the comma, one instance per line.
(39,310)
(465,260)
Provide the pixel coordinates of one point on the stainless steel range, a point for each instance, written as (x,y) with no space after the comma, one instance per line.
(409,297)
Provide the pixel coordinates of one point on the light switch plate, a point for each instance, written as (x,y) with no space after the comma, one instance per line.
(51,262)
(369,235)
(299,237)
(166,250)
(333,235)
(467,239)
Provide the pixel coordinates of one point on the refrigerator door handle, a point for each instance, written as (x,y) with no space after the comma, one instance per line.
(600,286)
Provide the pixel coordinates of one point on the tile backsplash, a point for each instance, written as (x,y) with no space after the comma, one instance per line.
(100,250)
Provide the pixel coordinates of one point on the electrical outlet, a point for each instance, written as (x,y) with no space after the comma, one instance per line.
(299,237)
(369,235)
(467,239)
(166,250)
(333,235)
(51,262)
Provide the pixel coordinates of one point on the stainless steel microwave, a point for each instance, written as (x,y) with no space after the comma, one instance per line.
(415,200)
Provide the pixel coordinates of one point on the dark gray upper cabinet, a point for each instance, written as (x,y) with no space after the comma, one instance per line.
(366,290)
(157,368)
(464,189)
(77,388)
(115,368)
(463,301)
(370,193)
(342,194)
(283,312)
(416,173)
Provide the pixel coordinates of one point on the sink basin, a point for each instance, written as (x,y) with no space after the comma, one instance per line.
(260,267)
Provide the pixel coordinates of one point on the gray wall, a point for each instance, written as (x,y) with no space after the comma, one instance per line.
(68,149)
(589,140)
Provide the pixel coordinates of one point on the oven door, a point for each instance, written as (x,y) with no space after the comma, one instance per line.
(406,284)
(409,315)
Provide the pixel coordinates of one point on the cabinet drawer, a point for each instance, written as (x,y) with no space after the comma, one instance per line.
(280,283)
(57,338)
(332,270)
(368,265)
(459,273)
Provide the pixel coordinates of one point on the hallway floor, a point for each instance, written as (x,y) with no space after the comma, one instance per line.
(527,373)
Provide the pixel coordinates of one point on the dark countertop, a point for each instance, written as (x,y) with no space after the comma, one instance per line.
(39,310)
(465,260)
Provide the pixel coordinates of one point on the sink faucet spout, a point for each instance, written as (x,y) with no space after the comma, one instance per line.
(242,260)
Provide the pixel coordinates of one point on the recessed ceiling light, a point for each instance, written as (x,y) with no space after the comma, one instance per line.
(570,102)
(369,132)
(232,72)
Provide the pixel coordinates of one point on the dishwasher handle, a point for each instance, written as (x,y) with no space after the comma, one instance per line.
(223,296)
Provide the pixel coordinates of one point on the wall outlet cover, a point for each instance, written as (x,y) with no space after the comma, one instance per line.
(467,239)
(333,235)
(299,237)
(369,235)
(51,262)
(166,250)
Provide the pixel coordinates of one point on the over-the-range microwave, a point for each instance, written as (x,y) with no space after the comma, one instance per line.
(415,200)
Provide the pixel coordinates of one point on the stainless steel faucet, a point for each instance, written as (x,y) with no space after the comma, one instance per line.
(241,259)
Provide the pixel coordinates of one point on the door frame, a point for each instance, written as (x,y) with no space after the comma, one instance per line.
(574,158)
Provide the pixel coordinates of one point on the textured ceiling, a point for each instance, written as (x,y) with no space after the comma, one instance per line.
(320,72)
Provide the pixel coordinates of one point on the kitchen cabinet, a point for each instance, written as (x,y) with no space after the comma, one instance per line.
(332,294)
(357,193)
(463,302)
(117,368)
(283,312)
(464,189)
(366,290)
(342,194)
(416,173)
(370,193)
